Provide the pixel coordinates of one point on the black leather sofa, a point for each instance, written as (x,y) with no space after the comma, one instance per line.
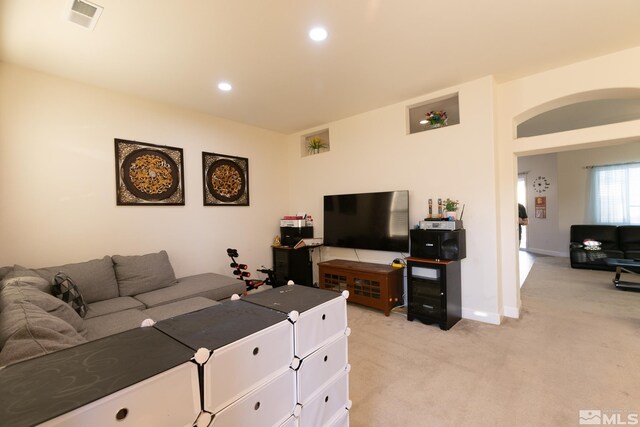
(616,242)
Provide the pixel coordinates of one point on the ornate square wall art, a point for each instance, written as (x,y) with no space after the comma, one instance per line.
(225,180)
(148,174)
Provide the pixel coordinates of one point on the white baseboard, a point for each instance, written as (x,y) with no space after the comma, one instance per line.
(513,312)
(481,316)
(546,252)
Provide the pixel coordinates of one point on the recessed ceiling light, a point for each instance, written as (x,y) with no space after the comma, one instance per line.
(224,86)
(318,34)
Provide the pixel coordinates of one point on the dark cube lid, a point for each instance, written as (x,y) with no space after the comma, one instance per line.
(39,389)
(292,297)
(217,326)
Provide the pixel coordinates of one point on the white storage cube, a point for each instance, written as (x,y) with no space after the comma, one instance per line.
(317,369)
(319,315)
(327,403)
(292,421)
(340,420)
(268,405)
(237,368)
(320,325)
(171,399)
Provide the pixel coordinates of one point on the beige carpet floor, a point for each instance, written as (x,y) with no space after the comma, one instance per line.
(576,346)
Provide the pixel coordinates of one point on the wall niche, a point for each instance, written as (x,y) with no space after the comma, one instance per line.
(315,143)
(417,113)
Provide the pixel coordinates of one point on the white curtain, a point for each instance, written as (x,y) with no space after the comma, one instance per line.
(614,194)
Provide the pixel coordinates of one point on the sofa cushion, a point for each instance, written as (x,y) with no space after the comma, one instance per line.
(629,238)
(65,289)
(28,331)
(20,291)
(173,309)
(209,285)
(605,234)
(4,271)
(95,279)
(26,276)
(100,308)
(113,323)
(137,274)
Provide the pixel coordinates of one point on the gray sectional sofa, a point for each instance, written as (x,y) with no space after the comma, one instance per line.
(119,293)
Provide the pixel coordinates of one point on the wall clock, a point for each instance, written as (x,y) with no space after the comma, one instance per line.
(540,184)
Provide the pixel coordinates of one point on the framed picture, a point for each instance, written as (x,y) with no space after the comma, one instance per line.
(148,174)
(225,180)
(541,207)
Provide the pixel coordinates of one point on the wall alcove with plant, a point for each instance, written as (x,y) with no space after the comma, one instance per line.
(315,143)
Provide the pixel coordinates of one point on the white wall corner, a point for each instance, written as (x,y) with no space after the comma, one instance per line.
(481,316)
(513,312)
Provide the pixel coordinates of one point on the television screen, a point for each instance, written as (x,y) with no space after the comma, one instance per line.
(377,221)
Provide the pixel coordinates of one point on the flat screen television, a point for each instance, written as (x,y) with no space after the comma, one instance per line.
(377,221)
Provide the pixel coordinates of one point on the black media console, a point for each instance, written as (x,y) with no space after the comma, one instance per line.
(293,264)
(434,294)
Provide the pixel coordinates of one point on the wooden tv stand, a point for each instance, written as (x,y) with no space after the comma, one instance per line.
(374,285)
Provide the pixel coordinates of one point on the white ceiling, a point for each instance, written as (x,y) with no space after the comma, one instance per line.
(378,51)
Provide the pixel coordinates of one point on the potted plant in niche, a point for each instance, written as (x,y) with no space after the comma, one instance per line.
(314,145)
(436,119)
(450,208)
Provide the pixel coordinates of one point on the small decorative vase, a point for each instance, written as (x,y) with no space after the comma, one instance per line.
(436,125)
(449,214)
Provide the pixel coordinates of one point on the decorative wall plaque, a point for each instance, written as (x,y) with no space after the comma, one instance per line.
(148,174)
(225,180)
(541,207)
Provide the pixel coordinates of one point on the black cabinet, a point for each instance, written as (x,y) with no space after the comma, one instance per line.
(293,264)
(434,294)
(439,244)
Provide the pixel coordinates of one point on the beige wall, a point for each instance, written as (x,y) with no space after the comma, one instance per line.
(48,125)
(522,98)
(372,152)
(57,179)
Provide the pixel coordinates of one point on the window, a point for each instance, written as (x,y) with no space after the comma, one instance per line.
(615,194)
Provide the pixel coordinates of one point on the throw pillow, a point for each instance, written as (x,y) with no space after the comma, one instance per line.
(64,288)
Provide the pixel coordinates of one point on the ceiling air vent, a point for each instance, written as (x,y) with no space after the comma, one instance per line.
(84,13)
